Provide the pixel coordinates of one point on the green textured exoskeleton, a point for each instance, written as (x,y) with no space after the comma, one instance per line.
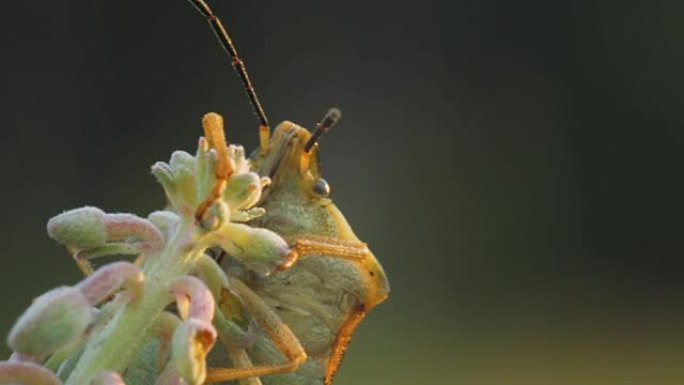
(324,295)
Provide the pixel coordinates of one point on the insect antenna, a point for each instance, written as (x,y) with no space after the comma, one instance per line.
(330,119)
(239,65)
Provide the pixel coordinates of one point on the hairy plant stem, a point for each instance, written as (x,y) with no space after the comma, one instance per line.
(113,347)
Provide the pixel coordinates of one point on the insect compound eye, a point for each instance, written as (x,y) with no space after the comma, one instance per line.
(321,188)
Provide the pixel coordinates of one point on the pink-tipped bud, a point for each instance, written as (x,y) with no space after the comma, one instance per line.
(110,278)
(26,373)
(191,343)
(53,321)
(107,378)
(200,302)
(122,226)
(81,228)
(18,357)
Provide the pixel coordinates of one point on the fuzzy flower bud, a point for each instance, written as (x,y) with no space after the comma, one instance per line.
(26,373)
(123,227)
(261,250)
(211,273)
(107,378)
(54,320)
(183,169)
(165,221)
(81,228)
(162,172)
(110,278)
(191,343)
(180,180)
(194,298)
(243,191)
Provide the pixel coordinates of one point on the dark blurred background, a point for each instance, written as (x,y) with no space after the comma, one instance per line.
(515,165)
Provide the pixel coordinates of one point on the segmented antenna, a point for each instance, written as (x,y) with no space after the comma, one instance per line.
(329,120)
(238,64)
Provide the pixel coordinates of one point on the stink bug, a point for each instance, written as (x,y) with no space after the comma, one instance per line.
(293,326)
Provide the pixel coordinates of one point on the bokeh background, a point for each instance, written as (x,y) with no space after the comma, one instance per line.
(515,165)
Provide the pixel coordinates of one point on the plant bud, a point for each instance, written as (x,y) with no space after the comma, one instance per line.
(18,357)
(169,376)
(107,378)
(110,278)
(243,191)
(182,160)
(211,273)
(26,373)
(206,167)
(191,342)
(123,226)
(201,302)
(81,228)
(165,221)
(54,320)
(261,250)
(162,172)
(183,170)
(238,155)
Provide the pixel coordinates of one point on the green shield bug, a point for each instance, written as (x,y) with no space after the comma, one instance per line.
(303,316)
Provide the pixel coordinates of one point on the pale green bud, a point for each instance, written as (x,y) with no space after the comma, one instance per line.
(107,378)
(162,172)
(182,160)
(81,228)
(53,321)
(191,342)
(237,152)
(164,220)
(206,162)
(184,170)
(209,271)
(243,191)
(261,250)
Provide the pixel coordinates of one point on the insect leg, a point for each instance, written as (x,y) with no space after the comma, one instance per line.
(276,329)
(240,359)
(214,133)
(331,247)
